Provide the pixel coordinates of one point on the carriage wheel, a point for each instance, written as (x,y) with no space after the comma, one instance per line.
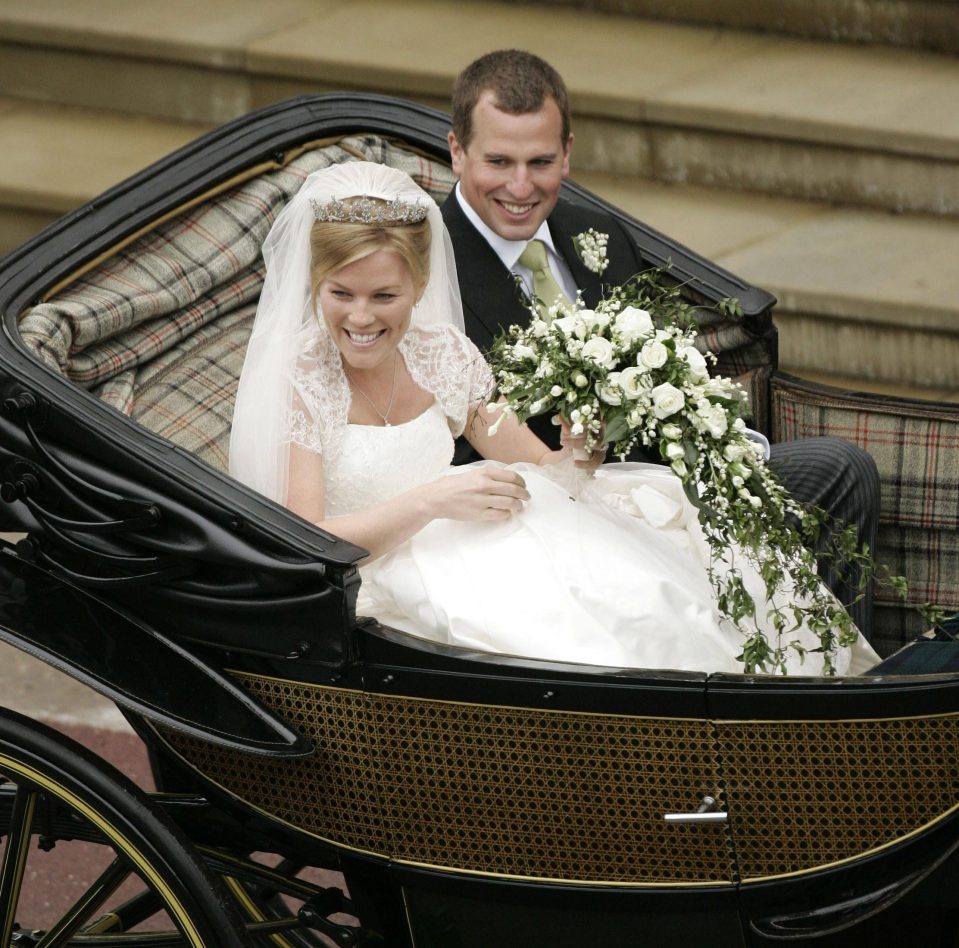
(113,870)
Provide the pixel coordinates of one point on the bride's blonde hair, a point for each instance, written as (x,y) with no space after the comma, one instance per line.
(335,244)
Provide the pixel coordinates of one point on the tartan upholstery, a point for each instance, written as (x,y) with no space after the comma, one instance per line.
(742,356)
(160,329)
(916,448)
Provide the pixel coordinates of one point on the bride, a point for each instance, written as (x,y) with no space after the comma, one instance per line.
(357,379)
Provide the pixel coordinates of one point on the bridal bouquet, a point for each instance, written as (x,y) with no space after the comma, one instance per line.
(629,373)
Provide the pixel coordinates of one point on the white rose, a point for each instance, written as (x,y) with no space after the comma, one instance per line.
(593,319)
(696,362)
(600,351)
(633,382)
(580,380)
(679,467)
(713,419)
(673,432)
(734,452)
(539,328)
(545,369)
(556,391)
(632,323)
(667,400)
(653,355)
(523,352)
(723,388)
(675,451)
(609,391)
(567,325)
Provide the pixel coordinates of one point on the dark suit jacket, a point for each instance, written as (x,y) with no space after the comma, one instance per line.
(491,299)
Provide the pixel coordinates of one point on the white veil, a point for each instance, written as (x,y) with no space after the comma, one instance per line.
(286,326)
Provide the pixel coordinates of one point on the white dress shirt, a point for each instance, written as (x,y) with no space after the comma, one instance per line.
(509,251)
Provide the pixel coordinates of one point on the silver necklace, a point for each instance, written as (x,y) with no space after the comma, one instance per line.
(389,407)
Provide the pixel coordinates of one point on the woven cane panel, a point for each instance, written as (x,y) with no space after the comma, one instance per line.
(805,794)
(530,793)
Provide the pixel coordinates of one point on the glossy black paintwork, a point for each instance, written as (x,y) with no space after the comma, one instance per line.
(139,668)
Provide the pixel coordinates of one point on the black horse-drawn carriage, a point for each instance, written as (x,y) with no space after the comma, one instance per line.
(467,799)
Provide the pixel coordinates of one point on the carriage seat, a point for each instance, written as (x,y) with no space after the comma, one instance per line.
(160,328)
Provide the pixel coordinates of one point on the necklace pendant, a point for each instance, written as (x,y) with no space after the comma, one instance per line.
(386,424)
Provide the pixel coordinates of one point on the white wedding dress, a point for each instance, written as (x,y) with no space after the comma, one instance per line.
(615,578)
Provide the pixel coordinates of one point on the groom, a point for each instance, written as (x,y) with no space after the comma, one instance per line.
(510,144)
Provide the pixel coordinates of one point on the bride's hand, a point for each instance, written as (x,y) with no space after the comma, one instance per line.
(486,493)
(576,445)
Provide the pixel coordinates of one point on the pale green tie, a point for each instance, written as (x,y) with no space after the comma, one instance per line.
(545,288)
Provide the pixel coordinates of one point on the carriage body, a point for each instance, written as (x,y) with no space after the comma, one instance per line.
(469,799)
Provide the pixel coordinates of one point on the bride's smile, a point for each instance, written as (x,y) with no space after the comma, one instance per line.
(367,306)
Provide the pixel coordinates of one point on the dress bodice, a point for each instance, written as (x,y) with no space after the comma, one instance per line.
(377,463)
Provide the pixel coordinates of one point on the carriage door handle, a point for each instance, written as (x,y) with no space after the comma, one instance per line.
(707,812)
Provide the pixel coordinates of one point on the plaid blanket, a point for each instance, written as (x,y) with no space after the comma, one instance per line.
(160,329)
(916,448)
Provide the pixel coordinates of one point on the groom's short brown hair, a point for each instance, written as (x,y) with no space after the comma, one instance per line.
(520,82)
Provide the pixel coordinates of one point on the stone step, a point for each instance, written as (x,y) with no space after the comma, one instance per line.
(670,102)
(863,294)
(65,155)
(921,24)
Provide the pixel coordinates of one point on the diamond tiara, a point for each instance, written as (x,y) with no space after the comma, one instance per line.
(364,210)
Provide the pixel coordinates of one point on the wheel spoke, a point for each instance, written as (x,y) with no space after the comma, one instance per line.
(15,859)
(99,891)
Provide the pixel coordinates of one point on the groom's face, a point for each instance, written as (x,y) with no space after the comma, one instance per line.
(513,167)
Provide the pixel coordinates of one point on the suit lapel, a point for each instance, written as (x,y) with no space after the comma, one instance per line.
(564,226)
(491,299)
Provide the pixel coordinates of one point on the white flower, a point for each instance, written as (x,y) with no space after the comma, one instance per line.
(632,323)
(720,387)
(673,432)
(576,429)
(556,391)
(544,370)
(679,467)
(521,351)
(572,326)
(593,319)
(667,400)
(580,380)
(675,451)
(633,382)
(610,391)
(734,452)
(653,355)
(591,247)
(696,362)
(600,351)
(539,327)
(712,418)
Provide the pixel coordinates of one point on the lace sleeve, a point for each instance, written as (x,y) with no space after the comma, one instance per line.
(443,361)
(320,400)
